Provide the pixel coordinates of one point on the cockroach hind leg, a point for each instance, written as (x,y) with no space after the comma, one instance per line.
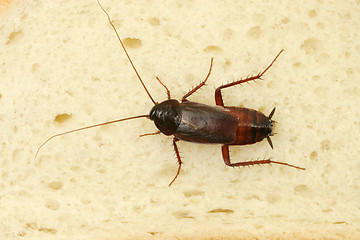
(226,157)
(286,164)
(270,142)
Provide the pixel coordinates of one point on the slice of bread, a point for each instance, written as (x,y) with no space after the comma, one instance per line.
(62,67)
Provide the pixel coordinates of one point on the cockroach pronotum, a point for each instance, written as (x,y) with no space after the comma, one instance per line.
(200,123)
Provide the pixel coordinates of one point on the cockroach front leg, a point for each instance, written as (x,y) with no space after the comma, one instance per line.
(218,97)
(178,158)
(198,86)
(167,90)
(149,134)
(226,157)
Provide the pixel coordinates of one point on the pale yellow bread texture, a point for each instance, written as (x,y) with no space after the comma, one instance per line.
(61,67)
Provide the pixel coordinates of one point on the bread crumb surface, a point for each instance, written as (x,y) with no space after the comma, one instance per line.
(63,68)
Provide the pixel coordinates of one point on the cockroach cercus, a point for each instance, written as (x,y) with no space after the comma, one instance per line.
(200,123)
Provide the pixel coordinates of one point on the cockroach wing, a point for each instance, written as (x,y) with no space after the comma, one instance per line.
(206,124)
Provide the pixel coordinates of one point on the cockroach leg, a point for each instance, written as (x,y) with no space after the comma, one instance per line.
(167,90)
(226,157)
(218,96)
(178,158)
(149,134)
(200,84)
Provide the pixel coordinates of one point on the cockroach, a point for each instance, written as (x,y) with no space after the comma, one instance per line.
(200,123)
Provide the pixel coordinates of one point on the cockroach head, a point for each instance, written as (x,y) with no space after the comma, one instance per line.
(167,116)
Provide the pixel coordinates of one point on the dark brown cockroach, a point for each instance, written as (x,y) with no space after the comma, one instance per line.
(200,123)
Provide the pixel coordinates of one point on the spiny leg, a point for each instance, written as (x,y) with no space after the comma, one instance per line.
(178,158)
(218,97)
(226,157)
(198,86)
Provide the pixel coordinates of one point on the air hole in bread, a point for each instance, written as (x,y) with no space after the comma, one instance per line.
(56,185)
(61,118)
(212,48)
(221,210)
(132,42)
(154,21)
